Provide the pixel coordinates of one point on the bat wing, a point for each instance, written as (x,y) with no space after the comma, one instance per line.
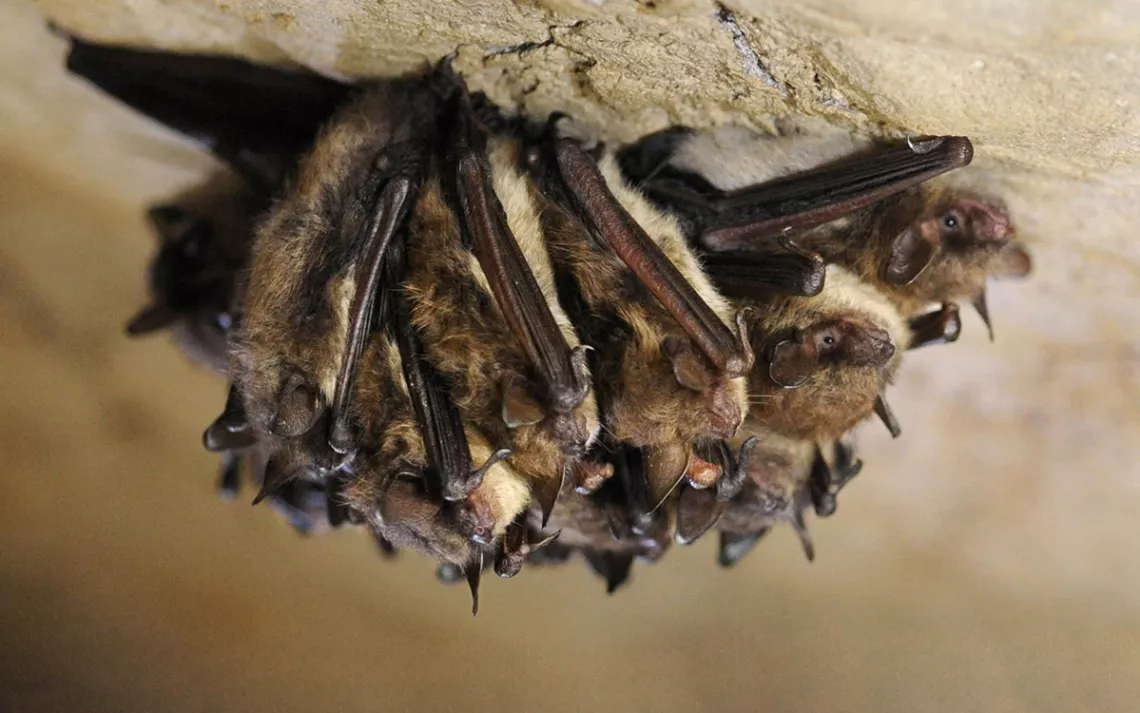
(257,119)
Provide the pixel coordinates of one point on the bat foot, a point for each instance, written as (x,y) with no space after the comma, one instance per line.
(458,489)
(941,327)
(510,554)
(702,474)
(737,469)
(826,480)
(589,475)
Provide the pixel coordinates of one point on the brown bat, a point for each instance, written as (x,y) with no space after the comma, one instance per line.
(861,206)
(666,367)
(256,119)
(772,485)
(482,294)
(823,362)
(204,237)
(316,269)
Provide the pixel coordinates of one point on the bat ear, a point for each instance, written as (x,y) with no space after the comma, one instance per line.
(151,319)
(519,409)
(697,512)
(911,252)
(1013,261)
(298,410)
(792,364)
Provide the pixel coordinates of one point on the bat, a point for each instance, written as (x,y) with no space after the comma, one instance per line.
(204,236)
(825,361)
(316,268)
(667,369)
(772,486)
(256,119)
(481,341)
(811,199)
(482,293)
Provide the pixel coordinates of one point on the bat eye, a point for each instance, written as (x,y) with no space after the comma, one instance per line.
(829,340)
(951,222)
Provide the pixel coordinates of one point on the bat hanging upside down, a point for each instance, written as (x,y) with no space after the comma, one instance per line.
(491,343)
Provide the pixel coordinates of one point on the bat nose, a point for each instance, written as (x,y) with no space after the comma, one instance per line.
(991,224)
(881,346)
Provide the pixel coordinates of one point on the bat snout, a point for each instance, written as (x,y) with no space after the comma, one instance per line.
(991,223)
(877,350)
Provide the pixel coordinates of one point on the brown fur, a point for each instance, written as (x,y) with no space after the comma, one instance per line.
(301,277)
(643,403)
(956,272)
(837,396)
(732,158)
(467,340)
(218,217)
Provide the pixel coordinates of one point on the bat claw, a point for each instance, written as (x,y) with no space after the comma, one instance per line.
(747,356)
(459,488)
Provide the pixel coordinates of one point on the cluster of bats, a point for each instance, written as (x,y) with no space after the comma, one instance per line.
(493,343)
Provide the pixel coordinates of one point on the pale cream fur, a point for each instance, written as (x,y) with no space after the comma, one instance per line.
(663,229)
(733,157)
(844,293)
(505,490)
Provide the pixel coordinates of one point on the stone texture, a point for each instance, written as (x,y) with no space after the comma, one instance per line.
(984,561)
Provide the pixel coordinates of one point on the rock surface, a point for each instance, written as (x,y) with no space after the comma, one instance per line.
(984,561)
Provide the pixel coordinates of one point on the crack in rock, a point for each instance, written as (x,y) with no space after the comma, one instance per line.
(753,67)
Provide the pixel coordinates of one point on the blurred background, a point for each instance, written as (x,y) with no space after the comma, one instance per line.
(986,561)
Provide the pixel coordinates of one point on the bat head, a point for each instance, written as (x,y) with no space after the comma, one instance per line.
(849,341)
(955,229)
